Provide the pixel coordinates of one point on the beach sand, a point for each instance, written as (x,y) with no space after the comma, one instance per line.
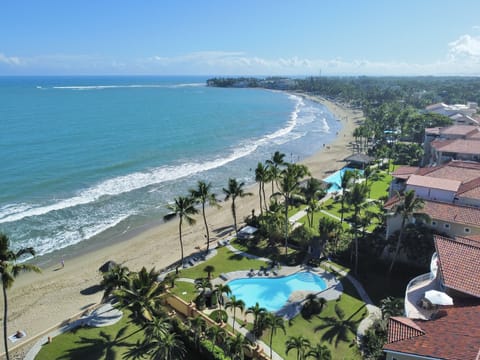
(38,302)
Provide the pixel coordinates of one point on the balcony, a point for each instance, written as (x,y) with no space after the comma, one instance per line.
(414,294)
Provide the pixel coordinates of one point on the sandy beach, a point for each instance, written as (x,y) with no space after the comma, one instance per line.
(38,302)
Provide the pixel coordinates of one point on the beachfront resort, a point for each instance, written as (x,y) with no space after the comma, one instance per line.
(377,259)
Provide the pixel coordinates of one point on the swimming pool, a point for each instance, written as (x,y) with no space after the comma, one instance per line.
(336,179)
(273,293)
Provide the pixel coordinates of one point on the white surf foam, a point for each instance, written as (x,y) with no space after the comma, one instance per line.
(139,180)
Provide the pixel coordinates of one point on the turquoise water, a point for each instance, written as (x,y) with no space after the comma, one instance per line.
(96,157)
(273,293)
(336,179)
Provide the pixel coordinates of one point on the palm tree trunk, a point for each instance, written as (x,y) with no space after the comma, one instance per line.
(356,240)
(5,322)
(264,197)
(233,327)
(271,342)
(286,225)
(206,227)
(234,213)
(260,196)
(180,236)
(397,247)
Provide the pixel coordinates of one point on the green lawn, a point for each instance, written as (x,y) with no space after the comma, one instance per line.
(225,261)
(182,287)
(354,310)
(93,343)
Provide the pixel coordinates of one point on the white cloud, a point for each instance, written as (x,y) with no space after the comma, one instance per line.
(10,60)
(239,63)
(465,45)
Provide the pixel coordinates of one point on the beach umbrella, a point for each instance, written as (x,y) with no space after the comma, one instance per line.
(438,298)
(109,265)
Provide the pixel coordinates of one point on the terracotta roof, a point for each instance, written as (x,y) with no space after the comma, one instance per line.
(461,130)
(453,335)
(463,171)
(433,131)
(459,146)
(470,189)
(401,328)
(403,172)
(459,264)
(452,213)
(434,183)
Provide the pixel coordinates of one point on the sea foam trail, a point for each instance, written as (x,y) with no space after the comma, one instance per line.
(138,180)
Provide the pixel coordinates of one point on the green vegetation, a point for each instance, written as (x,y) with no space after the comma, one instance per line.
(110,342)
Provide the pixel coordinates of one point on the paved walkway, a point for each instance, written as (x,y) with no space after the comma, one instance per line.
(104,315)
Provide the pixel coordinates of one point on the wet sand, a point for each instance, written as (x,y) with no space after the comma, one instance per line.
(38,302)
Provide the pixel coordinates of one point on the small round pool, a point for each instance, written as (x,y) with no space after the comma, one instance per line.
(273,293)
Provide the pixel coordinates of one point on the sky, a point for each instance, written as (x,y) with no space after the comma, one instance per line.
(240,37)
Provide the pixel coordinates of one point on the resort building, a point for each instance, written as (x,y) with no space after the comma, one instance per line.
(451,195)
(461,114)
(456,142)
(448,326)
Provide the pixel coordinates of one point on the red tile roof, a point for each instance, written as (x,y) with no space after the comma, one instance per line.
(404,172)
(459,263)
(452,213)
(461,130)
(453,335)
(458,146)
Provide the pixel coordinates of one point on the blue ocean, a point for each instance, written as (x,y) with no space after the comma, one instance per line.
(91,158)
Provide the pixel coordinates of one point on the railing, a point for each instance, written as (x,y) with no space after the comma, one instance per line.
(412,283)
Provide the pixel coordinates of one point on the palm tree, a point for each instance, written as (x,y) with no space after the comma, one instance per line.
(356,197)
(320,352)
(197,327)
(407,208)
(274,165)
(235,304)
(261,176)
(327,228)
(203,195)
(370,174)
(183,207)
(236,346)
(222,289)
(9,270)
(115,278)
(345,182)
(209,269)
(142,295)
(391,306)
(256,311)
(216,333)
(313,192)
(202,285)
(288,185)
(274,322)
(338,327)
(300,343)
(234,190)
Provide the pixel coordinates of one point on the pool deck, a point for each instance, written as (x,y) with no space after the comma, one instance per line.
(294,304)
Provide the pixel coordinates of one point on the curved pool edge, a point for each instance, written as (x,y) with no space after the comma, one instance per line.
(290,309)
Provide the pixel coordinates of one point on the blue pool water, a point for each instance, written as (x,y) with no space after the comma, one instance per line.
(336,178)
(273,293)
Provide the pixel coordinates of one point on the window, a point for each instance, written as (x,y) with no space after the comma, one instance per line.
(446,226)
(466,230)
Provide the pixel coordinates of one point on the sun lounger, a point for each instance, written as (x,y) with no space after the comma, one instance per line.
(20,334)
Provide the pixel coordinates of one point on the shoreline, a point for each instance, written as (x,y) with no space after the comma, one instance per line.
(39,301)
